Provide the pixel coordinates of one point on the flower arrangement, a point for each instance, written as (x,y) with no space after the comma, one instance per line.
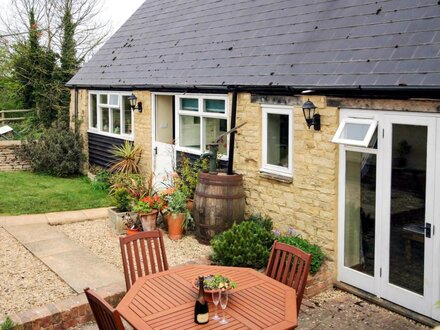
(175,202)
(147,204)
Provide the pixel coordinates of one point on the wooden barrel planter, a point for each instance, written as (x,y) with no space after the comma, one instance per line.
(218,203)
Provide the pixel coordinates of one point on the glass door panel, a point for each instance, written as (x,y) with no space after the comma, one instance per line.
(360,211)
(407,211)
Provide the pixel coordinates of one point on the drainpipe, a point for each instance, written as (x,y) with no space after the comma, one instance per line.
(232,138)
(75,115)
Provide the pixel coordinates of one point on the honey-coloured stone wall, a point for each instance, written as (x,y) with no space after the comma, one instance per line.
(308,201)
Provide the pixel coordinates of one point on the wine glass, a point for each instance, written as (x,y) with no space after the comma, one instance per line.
(215,300)
(223,304)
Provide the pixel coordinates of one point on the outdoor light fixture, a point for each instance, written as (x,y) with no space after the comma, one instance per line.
(133,101)
(310,116)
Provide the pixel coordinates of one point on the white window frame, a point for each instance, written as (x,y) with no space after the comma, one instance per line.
(367,139)
(202,115)
(269,168)
(99,106)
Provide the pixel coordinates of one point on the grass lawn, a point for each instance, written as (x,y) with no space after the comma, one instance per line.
(28,193)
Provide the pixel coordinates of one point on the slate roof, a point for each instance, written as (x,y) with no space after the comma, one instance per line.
(298,43)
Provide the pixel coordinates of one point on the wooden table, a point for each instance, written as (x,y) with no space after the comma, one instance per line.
(166,300)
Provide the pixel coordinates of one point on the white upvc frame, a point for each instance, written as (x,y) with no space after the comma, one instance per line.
(202,115)
(99,106)
(377,284)
(362,121)
(269,168)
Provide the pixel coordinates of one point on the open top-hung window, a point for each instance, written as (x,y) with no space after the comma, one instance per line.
(110,114)
(201,120)
(355,132)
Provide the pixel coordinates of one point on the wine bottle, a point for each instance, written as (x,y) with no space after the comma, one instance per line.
(201,312)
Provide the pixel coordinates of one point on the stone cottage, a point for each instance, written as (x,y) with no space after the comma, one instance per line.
(362,179)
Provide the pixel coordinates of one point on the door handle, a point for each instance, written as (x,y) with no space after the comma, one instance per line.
(155,150)
(427,229)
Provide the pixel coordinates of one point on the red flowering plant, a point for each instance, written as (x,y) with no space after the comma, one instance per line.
(147,204)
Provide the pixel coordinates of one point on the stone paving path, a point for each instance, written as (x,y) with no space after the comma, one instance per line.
(73,263)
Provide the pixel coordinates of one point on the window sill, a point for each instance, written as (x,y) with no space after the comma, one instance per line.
(116,136)
(276,177)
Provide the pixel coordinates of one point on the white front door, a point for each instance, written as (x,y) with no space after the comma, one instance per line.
(163,140)
(388,213)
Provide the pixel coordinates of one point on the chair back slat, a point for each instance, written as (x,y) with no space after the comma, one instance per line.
(144,257)
(151,256)
(107,318)
(149,260)
(287,272)
(294,272)
(158,256)
(137,258)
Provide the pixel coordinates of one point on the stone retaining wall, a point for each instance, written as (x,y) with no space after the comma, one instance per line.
(10,157)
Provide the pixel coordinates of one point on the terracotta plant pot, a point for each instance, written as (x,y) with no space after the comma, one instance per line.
(148,220)
(175,225)
(132,231)
(190,204)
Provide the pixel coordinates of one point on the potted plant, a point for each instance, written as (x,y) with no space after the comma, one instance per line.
(403,150)
(176,213)
(189,177)
(132,225)
(148,208)
(121,200)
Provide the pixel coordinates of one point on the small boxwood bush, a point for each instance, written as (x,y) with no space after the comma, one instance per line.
(317,255)
(246,244)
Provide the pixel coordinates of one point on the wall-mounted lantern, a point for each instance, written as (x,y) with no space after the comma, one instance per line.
(310,116)
(133,102)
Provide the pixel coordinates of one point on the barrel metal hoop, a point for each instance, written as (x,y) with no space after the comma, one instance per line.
(220,183)
(201,194)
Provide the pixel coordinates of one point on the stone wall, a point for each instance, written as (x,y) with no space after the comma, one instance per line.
(11,158)
(82,120)
(307,202)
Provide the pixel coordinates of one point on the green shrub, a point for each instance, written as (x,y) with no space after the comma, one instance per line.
(102,180)
(7,324)
(121,199)
(246,244)
(317,255)
(57,152)
(265,222)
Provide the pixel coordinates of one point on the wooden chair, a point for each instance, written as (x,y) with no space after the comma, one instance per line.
(289,265)
(107,318)
(142,254)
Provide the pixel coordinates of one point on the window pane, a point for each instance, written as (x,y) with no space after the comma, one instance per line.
(114,99)
(360,211)
(103,98)
(217,106)
(105,119)
(93,111)
(190,132)
(213,128)
(116,127)
(354,131)
(278,140)
(127,115)
(189,104)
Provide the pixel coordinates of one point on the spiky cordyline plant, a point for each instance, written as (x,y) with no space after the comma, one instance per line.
(129,155)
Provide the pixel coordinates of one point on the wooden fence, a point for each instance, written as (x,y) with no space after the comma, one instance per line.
(4,118)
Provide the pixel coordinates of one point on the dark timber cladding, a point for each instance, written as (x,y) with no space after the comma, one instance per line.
(100,149)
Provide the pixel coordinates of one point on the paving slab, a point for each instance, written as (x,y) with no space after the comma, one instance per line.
(99,213)
(22,219)
(33,232)
(65,217)
(49,247)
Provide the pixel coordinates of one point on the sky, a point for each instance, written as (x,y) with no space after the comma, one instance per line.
(114,11)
